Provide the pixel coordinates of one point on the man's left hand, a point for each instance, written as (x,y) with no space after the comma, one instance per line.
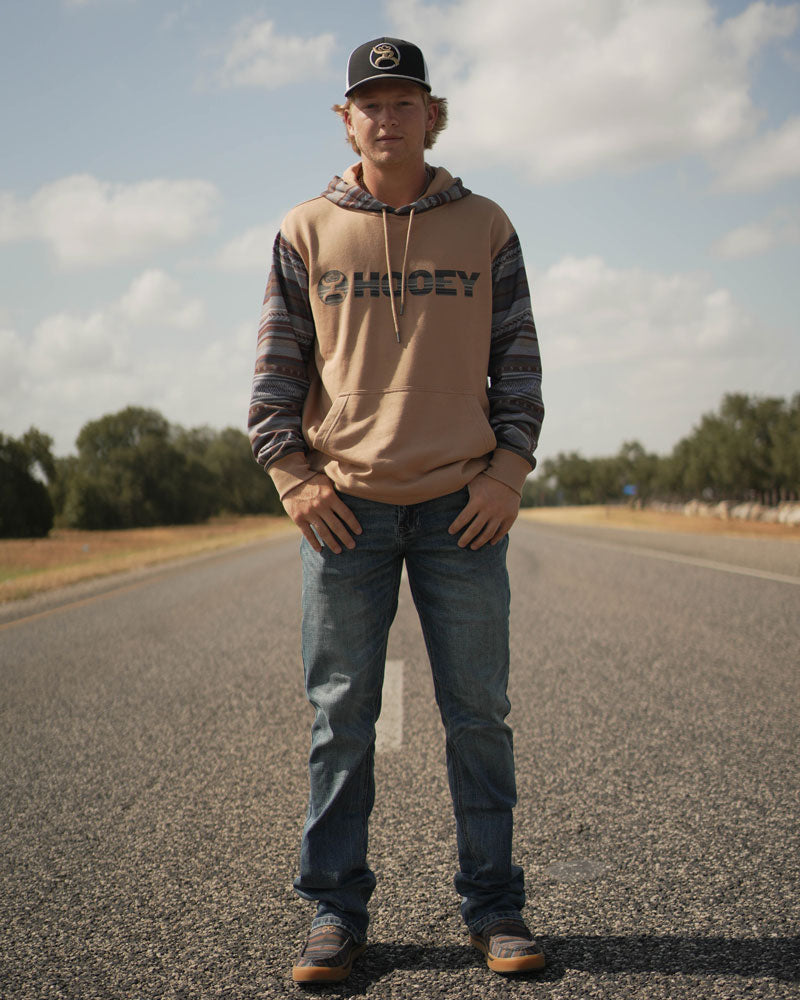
(491,510)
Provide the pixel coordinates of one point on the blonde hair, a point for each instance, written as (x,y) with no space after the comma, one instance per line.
(431,134)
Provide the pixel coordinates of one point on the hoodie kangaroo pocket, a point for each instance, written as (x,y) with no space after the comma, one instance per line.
(404,432)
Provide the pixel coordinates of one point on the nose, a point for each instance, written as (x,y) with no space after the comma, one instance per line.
(388,115)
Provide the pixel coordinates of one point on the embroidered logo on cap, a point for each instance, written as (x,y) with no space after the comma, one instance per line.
(384,56)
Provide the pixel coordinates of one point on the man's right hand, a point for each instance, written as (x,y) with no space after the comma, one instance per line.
(317,510)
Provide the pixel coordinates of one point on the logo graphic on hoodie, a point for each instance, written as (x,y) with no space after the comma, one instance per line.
(384,56)
(334,286)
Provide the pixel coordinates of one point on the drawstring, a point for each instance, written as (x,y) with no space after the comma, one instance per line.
(405,258)
(402,273)
(389,269)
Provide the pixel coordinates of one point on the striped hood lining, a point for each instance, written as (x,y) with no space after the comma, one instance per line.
(346,192)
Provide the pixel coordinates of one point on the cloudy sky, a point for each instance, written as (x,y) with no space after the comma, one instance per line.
(647,151)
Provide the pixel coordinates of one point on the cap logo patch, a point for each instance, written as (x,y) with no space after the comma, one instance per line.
(384,56)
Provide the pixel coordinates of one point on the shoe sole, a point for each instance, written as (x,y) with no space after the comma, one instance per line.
(526,963)
(327,974)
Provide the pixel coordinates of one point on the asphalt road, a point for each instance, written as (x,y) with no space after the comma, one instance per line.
(153,743)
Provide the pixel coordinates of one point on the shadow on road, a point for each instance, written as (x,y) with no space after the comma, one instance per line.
(752,958)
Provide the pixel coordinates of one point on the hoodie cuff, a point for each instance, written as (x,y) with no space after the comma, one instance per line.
(290,471)
(509,468)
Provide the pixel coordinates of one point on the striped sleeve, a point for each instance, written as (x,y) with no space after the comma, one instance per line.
(280,382)
(515,368)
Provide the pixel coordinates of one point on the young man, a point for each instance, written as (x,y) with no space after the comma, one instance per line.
(396,404)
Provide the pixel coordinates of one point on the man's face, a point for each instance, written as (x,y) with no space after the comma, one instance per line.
(388,120)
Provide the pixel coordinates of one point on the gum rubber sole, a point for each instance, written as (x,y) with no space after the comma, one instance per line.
(525,963)
(325,973)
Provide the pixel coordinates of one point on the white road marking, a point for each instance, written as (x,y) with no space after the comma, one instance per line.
(389,730)
(761,574)
(676,557)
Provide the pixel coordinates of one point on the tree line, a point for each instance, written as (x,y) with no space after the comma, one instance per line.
(135,469)
(132,469)
(749,449)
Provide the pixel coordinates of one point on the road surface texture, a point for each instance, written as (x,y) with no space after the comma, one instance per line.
(154,735)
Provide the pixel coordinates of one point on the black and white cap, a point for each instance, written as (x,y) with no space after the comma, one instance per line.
(384,58)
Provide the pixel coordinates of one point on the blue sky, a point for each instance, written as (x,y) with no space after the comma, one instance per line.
(647,152)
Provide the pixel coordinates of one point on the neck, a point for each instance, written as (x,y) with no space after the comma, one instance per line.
(395,188)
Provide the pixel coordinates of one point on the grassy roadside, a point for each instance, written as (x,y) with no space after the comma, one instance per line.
(33,566)
(652,520)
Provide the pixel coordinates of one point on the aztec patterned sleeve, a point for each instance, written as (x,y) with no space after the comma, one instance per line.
(285,339)
(515,369)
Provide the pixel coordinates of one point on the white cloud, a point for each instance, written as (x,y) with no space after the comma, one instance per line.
(560,88)
(155,297)
(259,57)
(218,392)
(77,367)
(630,353)
(767,160)
(779,229)
(605,316)
(15,220)
(250,251)
(746,241)
(86,221)
(101,342)
(12,351)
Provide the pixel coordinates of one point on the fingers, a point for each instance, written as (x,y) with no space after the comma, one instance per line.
(480,531)
(488,514)
(322,517)
(326,527)
(478,527)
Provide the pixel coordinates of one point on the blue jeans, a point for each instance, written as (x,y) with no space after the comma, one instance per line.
(349,603)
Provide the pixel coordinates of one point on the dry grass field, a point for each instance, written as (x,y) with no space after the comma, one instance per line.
(32,566)
(653,520)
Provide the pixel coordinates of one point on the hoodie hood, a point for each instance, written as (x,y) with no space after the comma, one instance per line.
(442,188)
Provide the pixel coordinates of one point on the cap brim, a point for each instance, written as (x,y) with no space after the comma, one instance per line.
(388,76)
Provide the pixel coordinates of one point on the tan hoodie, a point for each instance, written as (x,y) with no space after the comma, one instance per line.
(396,404)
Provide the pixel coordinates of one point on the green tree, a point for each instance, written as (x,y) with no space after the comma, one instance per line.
(747,450)
(572,476)
(135,469)
(786,452)
(239,484)
(130,473)
(26,510)
(638,468)
(243,487)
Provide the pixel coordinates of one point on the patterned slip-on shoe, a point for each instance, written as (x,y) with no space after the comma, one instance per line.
(509,947)
(327,956)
